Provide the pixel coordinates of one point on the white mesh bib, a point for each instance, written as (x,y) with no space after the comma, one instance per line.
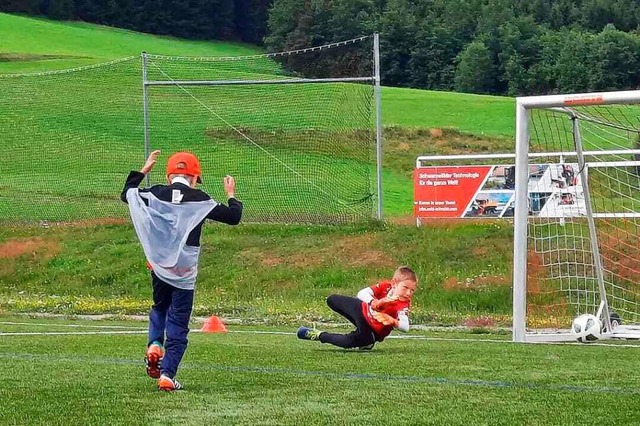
(162,229)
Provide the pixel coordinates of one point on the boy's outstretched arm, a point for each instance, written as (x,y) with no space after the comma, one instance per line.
(366,295)
(403,321)
(135,178)
(401,324)
(385,319)
(133,181)
(232,214)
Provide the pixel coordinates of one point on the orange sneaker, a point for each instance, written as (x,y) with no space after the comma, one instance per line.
(168,384)
(155,353)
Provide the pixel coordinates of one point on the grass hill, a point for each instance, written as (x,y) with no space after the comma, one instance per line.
(31,45)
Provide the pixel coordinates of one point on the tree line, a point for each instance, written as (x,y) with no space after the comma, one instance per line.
(513,47)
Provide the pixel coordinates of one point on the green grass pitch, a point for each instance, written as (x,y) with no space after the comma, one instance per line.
(254,375)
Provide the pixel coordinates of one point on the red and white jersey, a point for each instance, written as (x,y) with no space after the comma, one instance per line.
(393,309)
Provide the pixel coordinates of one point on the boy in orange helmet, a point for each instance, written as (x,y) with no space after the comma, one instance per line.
(168,220)
(375,312)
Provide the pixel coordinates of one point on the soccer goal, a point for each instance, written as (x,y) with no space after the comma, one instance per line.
(577,214)
(300,130)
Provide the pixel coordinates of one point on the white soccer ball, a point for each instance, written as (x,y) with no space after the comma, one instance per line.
(586,328)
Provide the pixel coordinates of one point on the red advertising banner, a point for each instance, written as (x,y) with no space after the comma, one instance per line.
(553,190)
(446,191)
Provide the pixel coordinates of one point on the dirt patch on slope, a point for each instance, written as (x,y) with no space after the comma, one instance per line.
(620,253)
(24,57)
(358,251)
(535,272)
(402,220)
(36,248)
(354,251)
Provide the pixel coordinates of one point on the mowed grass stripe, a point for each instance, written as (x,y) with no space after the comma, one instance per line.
(439,381)
(271,379)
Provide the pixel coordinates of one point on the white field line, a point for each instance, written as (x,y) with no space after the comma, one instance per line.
(138,330)
(71,325)
(67,333)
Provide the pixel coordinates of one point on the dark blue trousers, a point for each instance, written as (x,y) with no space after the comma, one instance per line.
(351,309)
(169,322)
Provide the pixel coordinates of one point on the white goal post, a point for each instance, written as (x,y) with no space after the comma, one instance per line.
(576,246)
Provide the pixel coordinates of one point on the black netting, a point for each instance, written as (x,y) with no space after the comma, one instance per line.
(69,139)
(563,269)
(299,152)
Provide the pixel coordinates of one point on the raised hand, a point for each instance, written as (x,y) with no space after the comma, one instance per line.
(378,304)
(151,161)
(230,186)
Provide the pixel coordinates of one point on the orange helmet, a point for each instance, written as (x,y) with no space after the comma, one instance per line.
(184,163)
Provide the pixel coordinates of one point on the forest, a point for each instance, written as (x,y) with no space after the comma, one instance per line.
(500,47)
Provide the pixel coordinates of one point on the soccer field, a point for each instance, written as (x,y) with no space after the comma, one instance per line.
(91,372)
(299,153)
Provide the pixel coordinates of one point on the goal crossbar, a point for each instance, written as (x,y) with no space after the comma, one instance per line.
(557,101)
(251,82)
(422,158)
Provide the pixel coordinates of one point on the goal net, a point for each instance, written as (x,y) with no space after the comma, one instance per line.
(296,129)
(69,139)
(577,214)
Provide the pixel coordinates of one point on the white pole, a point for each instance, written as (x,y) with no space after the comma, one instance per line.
(258,82)
(595,249)
(520,224)
(145,108)
(576,99)
(378,98)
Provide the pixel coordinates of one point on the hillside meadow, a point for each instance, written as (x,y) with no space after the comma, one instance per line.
(266,272)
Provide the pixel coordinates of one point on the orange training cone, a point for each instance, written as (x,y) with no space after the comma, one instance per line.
(214,325)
